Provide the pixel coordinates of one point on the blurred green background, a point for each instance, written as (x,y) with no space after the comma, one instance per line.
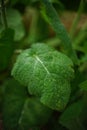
(28,24)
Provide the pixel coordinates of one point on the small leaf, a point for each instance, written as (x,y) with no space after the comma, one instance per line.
(47,73)
(70,118)
(14,20)
(6,48)
(83,86)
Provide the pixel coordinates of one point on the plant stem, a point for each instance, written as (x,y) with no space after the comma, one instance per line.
(60,30)
(77,18)
(4,14)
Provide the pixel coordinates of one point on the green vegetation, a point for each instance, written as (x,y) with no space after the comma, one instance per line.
(43,65)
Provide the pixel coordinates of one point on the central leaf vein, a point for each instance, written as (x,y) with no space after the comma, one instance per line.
(41,62)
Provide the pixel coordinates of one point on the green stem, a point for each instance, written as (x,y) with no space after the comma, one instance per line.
(60,30)
(4,14)
(77,18)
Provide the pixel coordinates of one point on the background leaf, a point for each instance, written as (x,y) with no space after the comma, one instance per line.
(14,98)
(14,20)
(70,118)
(19,110)
(83,86)
(34,114)
(6,48)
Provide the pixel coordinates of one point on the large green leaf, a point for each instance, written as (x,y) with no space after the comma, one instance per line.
(47,73)
(19,111)
(6,48)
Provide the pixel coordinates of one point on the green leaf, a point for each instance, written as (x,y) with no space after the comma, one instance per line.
(6,48)
(59,29)
(47,73)
(14,20)
(34,114)
(70,118)
(14,98)
(21,112)
(83,86)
